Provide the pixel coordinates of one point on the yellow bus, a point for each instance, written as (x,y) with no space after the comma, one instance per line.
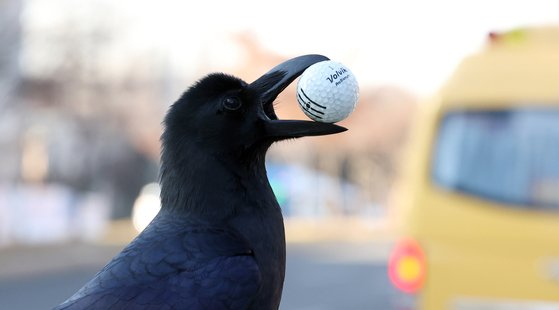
(477,207)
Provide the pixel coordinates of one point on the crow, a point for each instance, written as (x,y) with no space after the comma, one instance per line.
(218,241)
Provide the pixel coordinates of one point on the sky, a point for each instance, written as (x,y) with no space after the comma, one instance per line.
(411,44)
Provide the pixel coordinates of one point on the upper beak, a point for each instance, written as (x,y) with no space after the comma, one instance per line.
(270,85)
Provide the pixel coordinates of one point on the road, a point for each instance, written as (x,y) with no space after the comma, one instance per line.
(320,275)
(333,276)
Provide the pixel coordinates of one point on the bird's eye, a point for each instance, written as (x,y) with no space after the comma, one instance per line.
(232,103)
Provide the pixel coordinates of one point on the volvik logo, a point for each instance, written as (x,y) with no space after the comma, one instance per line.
(337,73)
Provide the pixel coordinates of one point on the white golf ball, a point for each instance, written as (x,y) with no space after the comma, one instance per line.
(327,92)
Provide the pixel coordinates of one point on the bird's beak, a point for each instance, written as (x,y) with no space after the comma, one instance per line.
(270,85)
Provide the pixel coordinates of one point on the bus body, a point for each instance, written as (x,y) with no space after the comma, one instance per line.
(477,207)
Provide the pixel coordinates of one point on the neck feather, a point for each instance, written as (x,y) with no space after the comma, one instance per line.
(215,185)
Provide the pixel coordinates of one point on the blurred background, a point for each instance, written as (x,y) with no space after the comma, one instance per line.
(84,86)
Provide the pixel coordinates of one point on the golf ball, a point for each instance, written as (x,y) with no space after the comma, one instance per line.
(327,92)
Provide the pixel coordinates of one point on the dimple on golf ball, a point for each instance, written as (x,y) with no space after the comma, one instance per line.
(327,92)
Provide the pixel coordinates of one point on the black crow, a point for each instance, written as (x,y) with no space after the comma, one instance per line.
(218,241)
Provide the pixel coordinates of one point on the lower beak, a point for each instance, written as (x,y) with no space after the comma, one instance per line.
(285,129)
(270,85)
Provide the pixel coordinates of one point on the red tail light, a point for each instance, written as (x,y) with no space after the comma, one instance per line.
(406,266)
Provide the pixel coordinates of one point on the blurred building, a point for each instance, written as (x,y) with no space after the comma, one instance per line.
(10,75)
(70,153)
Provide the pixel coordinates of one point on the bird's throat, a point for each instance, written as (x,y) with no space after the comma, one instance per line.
(213,186)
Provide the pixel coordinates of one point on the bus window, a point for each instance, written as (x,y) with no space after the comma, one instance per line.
(509,156)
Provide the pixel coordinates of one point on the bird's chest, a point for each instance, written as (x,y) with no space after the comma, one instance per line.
(265,232)
(266,235)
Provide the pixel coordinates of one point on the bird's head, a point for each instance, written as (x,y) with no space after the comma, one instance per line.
(224,115)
